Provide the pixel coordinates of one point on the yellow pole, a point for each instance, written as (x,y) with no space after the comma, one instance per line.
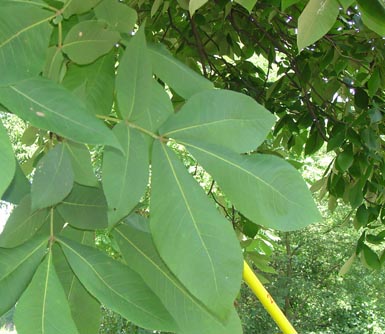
(267,301)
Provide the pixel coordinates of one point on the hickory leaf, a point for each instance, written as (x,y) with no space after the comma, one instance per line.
(205,239)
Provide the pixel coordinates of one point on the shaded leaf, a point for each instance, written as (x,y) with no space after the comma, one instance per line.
(266,189)
(85,208)
(54,64)
(22,22)
(180,77)
(17,266)
(134,78)
(7,160)
(221,117)
(139,252)
(117,14)
(22,224)
(315,21)
(49,106)
(81,164)
(88,40)
(79,7)
(117,286)
(347,265)
(93,83)
(43,306)
(125,175)
(85,309)
(370,257)
(18,189)
(187,228)
(53,178)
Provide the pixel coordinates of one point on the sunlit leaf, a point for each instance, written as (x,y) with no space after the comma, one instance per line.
(315,21)
(194,5)
(248,4)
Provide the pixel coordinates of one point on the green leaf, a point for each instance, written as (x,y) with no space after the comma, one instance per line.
(49,106)
(22,224)
(180,77)
(205,240)
(85,309)
(372,14)
(315,21)
(155,7)
(287,3)
(221,117)
(345,159)
(117,286)
(374,82)
(139,252)
(89,40)
(346,3)
(22,22)
(54,66)
(7,160)
(81,164)
(134,78)
(370,257)
(43,306)
(79,7)
(117,14)
(125,175)
(194,5)
(53,178)
(17,266)
(248,4)
(85,208)
(159,110)
(266,189)
(18,189)
(94,83)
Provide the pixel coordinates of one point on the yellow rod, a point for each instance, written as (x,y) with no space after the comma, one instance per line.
(267,301)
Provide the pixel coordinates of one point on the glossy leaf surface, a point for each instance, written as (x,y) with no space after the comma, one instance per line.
(205,240)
